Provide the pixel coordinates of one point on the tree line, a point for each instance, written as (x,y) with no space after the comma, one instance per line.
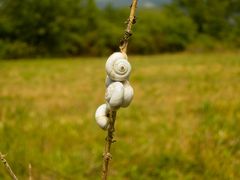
(33,28)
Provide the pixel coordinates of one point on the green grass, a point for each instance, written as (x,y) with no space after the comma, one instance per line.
(182,124)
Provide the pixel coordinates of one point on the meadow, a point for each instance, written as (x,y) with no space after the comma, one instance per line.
(183,123)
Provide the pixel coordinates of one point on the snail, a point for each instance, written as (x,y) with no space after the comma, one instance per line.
(119,94)
(101,116)
(117,67)
(114,95)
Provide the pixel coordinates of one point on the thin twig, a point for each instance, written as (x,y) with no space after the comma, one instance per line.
(8,168)
(128,33)
(109,140)
(112,115)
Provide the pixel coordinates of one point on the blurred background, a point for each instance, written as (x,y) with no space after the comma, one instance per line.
(184,120)
(31,28)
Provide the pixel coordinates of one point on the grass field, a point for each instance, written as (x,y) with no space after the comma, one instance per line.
(184,121)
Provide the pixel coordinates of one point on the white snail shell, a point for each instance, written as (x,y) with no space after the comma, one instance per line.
(114,95)
(127,94)
(101,116)
(119,92)
(117,67)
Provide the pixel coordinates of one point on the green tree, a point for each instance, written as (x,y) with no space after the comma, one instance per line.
(162,30)
(212,17)
(47,25)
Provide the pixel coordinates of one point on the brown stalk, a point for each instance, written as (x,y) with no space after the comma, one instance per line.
(109,140)
(128,32)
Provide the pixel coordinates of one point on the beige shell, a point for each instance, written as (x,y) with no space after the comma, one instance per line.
(114,95)
(101,116)
(117,67)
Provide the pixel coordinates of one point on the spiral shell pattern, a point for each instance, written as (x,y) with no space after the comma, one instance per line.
(117,67)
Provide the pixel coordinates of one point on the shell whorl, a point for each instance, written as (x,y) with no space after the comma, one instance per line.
(114,95)
(127,94)
(101,116)
(119,95)
(117,67)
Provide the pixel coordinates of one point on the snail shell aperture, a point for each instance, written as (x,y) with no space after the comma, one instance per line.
(117,67)
(101,116)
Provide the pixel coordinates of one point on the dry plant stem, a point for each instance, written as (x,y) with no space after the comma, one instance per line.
(131,20)
(8,168)
(109,140)
(112,115)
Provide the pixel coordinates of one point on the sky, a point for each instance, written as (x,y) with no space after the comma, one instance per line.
(145,3)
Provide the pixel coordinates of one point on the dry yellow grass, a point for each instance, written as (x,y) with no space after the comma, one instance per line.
(183,122)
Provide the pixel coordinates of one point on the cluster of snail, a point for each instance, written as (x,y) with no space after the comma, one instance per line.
(119,92)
